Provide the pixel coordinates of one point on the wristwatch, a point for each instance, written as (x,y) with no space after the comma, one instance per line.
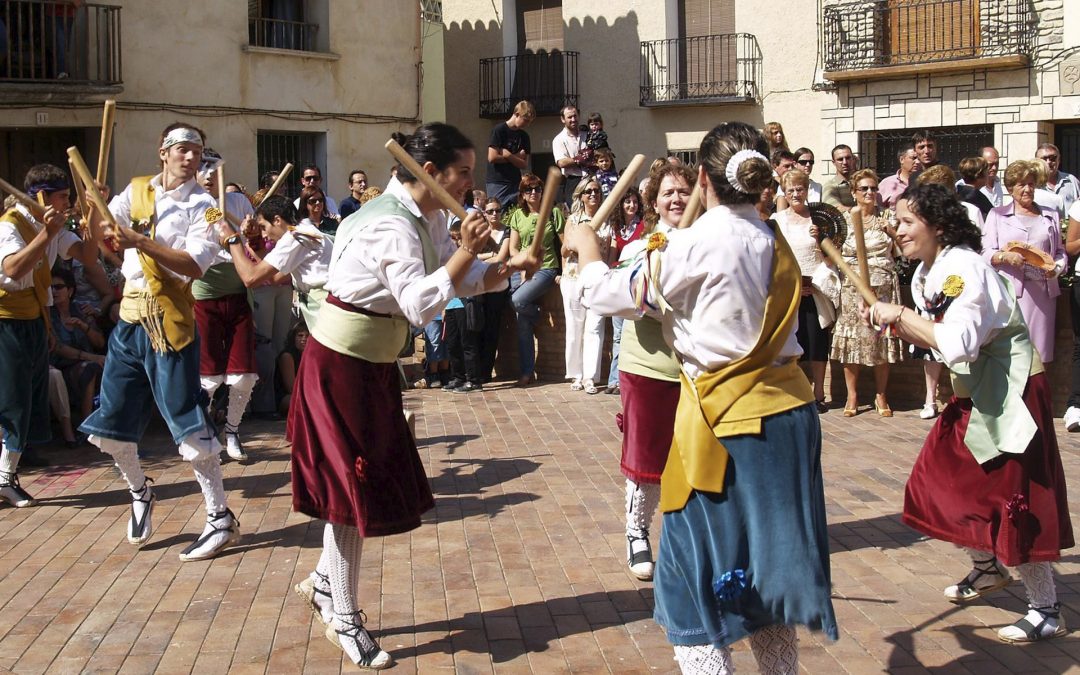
(235,239)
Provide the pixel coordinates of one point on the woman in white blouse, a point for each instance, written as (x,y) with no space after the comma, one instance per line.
(744,470)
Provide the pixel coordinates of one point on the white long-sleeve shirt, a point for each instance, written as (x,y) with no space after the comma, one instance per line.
(715,276)
(381,267)
(11,242)
(181,224)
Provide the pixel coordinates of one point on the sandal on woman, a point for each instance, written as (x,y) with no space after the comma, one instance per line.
(986,577)
(883,410)
(1040,623)
(851,410)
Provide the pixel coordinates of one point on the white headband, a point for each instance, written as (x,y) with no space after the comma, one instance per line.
(181,135)
(732,170)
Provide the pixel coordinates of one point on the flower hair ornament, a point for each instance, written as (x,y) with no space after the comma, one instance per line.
(732,169)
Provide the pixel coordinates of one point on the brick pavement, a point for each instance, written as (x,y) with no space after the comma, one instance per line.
(519,568)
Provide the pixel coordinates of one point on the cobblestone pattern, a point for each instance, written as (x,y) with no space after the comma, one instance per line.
(519,568)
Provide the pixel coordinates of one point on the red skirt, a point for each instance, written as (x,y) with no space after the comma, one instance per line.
(647,423)
(354,461)
(1014,506)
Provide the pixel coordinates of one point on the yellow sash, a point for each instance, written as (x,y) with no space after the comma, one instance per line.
(733,400)
(29,303)
(167,310)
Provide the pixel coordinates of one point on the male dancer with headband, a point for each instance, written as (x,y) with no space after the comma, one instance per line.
(28,249)
(223,315)
(164,227)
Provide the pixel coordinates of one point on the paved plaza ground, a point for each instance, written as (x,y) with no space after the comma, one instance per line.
(519,568)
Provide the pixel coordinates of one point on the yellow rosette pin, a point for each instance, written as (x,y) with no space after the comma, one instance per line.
(213,215)
(657,240)
(953,286)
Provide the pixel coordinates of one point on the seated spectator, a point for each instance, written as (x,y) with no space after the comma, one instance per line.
(60,404)
(288,362)
(78,349)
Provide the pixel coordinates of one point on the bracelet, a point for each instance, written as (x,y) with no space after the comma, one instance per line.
(468,250)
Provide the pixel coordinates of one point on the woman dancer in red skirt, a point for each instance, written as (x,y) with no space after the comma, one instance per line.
(989,476)
(354,462)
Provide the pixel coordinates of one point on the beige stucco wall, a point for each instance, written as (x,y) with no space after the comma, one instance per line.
(608,34)
(370,69)
(433,96)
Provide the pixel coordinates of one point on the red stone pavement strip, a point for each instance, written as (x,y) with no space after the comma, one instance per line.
(520,567)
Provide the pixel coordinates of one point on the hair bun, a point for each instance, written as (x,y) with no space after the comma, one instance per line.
(399,138)
(749,172)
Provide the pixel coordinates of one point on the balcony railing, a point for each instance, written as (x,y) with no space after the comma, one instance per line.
(548,80)
(53,42)
(873,34)
(701,70)
(283,34)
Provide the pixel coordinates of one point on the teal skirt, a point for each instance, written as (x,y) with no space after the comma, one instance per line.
(757,554)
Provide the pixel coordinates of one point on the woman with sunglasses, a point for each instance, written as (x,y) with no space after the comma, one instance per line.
(526,297)
(804,159)
(854,343)
(584,328)
(313,212)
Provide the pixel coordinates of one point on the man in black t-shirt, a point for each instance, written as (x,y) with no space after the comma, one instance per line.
(508,154)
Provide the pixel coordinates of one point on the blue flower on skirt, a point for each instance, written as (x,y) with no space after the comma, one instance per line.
(729,587)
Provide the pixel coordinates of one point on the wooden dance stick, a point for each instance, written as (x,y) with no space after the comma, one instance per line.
(107,118)
(285,171)
(84,208)
(614,199)
(220,179)
(860,243)
(859,283)
(693,207)
(82,173)
(547,202)
(36,209)
(412,166)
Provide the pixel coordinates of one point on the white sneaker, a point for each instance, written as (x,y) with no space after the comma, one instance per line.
(12,493)
(1072,418)
(322,606)
(357,642)
(929,411)
(221,531)
(576,385)
(233,447)
(140,525)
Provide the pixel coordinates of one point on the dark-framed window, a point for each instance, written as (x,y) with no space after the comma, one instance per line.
(275,149)
(878,149)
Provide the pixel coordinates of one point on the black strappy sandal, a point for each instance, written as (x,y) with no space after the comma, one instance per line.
(965,589)
(233,528)
(1034,632)
(21,498)
(371,655)
(139,525)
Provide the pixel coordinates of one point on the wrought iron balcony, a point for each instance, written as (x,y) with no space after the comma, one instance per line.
(53,42)
(701,70)
(282,34)
(870,38)
(548,80)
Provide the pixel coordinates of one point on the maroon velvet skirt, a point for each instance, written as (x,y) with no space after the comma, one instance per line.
(1014,506)
(647,422)
(354,461)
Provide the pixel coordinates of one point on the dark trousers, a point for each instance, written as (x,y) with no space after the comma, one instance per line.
(494,304)
(453,336)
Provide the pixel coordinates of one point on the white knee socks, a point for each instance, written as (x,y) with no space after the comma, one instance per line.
(208,473)
(240,387)
(704,660)
(1038,581)
(776,649)
(342,545)
(125,454)
(642,500)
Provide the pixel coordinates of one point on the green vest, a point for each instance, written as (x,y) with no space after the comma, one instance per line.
(371,338)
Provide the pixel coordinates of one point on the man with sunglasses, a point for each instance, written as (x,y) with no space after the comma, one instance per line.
(312,177)
(28,250)
(1059,182)
(224,319)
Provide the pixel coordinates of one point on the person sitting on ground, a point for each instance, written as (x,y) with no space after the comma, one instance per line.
(288,362)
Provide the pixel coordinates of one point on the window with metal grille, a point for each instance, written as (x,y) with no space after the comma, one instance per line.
(277,148)
(288,24)
(687,157)
(431,10)
(878,149)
